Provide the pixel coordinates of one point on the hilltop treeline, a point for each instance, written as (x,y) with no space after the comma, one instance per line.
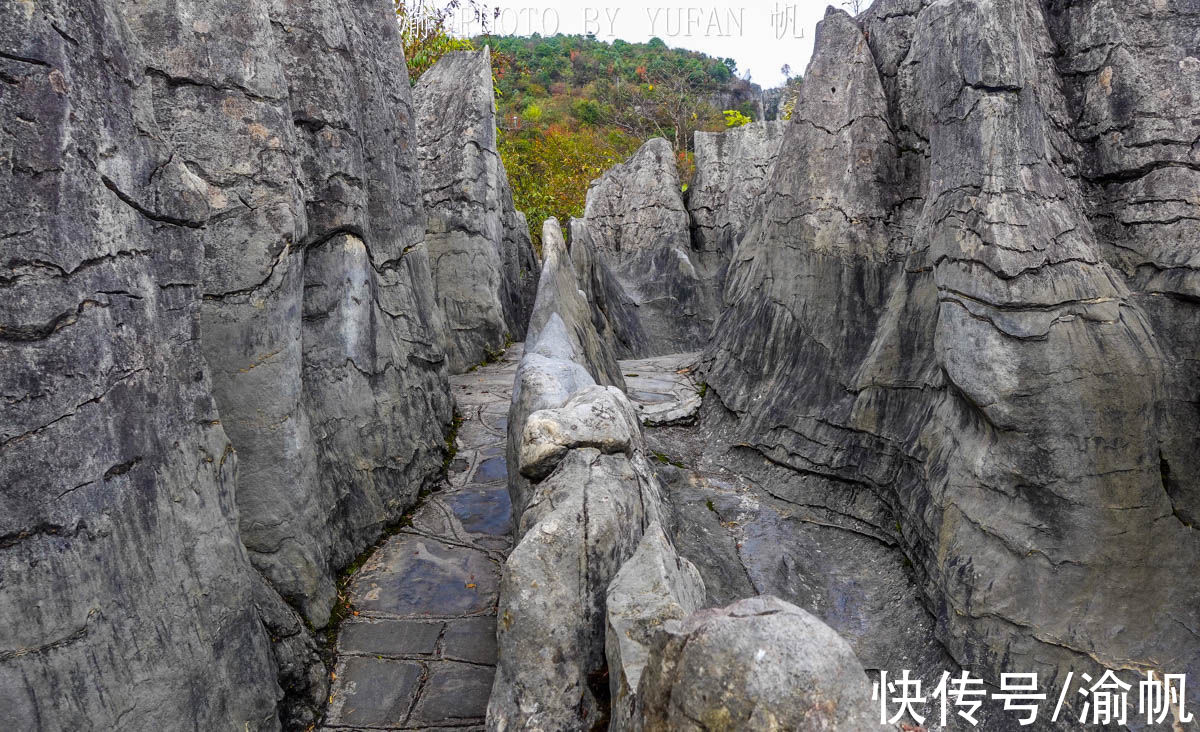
(573,106)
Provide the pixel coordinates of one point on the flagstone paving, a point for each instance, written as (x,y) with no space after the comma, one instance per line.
(421,652)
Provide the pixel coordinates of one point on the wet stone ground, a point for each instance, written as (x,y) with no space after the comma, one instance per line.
(421,652)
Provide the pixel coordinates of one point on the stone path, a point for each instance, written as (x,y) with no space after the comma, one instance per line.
(421,651)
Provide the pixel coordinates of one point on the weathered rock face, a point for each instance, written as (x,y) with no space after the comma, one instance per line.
(562,299)
(583,493)
(614,315)
(654,269)
(1132,80)
(484,267)
(639,226)
(318,321)
(654,587)
(519,279)
(970,298)
(129,601)
(593,417)
(759,664)
(732,170)
(244,202)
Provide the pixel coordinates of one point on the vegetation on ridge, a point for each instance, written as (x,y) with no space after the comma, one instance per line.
(571,107)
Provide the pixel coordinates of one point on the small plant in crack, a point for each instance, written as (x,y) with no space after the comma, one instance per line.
(493,355)
(342,608)
(451,442)
(662,458)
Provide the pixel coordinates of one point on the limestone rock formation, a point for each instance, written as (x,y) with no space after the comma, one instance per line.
(245,223)
(484,267)
(759,664)
(583,493)
(637,221)
(519,277)
(946,403)
(1132,80)
(128,599)
(962,325)
(654,268)
(654,587)
(562,308)
(318,321)
(614,314)
(593,417)
(732,169)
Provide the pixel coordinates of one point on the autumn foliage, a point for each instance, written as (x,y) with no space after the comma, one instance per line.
(571,107)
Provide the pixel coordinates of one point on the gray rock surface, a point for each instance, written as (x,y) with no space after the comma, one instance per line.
(758,664)
(614,314)
(564,353)
(732,170)
(581,523)
(128,600)
(950,334)
(582,492)
(560,326)
(664,389)
(519,278)
(637,221)
(595,416)
(655,586)
(484,268)
(1132,80)
(246,224)
(318,320)
(949,407)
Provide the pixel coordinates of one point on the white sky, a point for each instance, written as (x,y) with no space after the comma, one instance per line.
(761,35)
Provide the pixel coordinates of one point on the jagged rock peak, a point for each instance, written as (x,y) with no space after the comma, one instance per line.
(732,171)
(639,225)
(484,267)
(929,314)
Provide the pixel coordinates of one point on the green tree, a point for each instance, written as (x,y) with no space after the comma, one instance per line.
(532,114)
(598,103)
(587,111)
(425,33)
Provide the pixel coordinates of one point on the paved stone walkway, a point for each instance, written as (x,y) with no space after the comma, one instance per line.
(421,652)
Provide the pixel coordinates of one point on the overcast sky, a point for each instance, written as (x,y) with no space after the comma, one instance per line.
(761,36)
